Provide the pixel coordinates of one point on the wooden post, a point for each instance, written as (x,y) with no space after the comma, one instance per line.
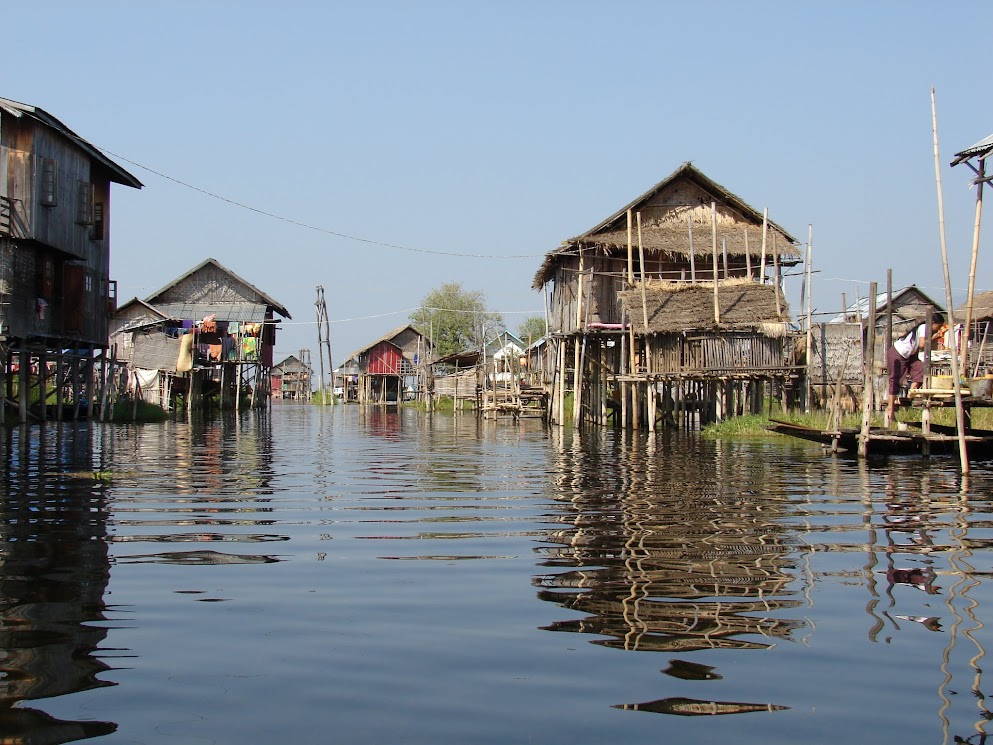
(724,254)
(888,339)
(956,378)
(23,383)
(641,259)
(630,254)
(713,230)
(765,234)
(577,384)
(775,271)
(748,256)
(625,364)
(689,227)
(42,385)
(579,292)
(59,382)
(810,328)
(869,373)
(90,392)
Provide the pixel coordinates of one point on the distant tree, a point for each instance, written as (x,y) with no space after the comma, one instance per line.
(456,319)
(531,329)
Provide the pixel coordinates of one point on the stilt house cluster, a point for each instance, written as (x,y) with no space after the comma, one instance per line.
(673,305)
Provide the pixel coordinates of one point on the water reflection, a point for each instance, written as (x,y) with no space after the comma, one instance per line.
(664,559)
(674,544)
(55,569)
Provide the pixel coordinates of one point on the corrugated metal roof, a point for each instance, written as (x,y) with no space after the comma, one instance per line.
(240,312)
(982,148)
(117,174)
(861,307)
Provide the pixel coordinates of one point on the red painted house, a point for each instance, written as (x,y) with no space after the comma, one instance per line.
(391,366)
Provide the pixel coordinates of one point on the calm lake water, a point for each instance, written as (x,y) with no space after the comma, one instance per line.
(352,575)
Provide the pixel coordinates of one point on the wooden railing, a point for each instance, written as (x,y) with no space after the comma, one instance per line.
(6,209)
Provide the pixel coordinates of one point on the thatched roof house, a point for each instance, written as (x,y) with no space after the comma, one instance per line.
(676,221)
(681,219)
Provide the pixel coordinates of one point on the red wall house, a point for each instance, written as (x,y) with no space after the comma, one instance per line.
(384,359)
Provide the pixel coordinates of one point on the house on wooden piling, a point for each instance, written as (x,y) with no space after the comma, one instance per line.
(56,294)
(206,337)
(391,368)
(675,298)
(837,346)
(292,380)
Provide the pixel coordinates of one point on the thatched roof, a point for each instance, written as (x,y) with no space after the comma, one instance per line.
(982,308)
(681,306)
(683,197)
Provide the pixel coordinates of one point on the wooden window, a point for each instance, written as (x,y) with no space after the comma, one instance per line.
(96,232)
(49,182)
(84,203)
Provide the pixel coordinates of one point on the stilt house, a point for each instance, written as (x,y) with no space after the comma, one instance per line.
(676,295)
(390,366)
(56,294)
(207,336)
(836,354)
(292,380)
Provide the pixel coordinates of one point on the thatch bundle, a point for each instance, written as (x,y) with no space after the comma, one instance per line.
(684,306)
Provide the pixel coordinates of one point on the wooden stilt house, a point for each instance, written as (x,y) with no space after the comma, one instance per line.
(208,340)
(671,305)
(56,294)
(392,367)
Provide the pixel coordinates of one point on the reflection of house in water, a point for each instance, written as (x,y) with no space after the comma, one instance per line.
(53,578)
(660,565)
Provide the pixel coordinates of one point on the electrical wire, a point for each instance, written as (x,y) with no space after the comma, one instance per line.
(305,225)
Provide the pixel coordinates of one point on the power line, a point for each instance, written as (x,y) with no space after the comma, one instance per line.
(301,224)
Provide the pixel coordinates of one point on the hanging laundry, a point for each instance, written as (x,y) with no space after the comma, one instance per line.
(185,361)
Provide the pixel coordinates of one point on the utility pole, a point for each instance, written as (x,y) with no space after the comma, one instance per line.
(324,342)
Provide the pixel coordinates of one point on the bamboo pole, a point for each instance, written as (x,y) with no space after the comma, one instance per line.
(641,259)
(956,380)
(748,256)
(630,254)
(724,253)
(775,271)
(765,236)
(580,290)
(689,227)
(713,232)
(810,328)
(868,374)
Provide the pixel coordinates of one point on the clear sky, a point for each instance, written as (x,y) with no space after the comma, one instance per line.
(442,132)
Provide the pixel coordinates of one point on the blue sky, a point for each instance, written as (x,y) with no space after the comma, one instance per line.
(501,129)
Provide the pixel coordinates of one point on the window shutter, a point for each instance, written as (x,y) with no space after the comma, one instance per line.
(84,206)
(49,182)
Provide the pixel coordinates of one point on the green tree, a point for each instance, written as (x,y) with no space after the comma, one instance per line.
(531,329)
(456,319)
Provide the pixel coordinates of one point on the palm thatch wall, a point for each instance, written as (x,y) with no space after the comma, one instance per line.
(675,307)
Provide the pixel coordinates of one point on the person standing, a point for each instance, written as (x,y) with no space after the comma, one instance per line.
(904,359)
